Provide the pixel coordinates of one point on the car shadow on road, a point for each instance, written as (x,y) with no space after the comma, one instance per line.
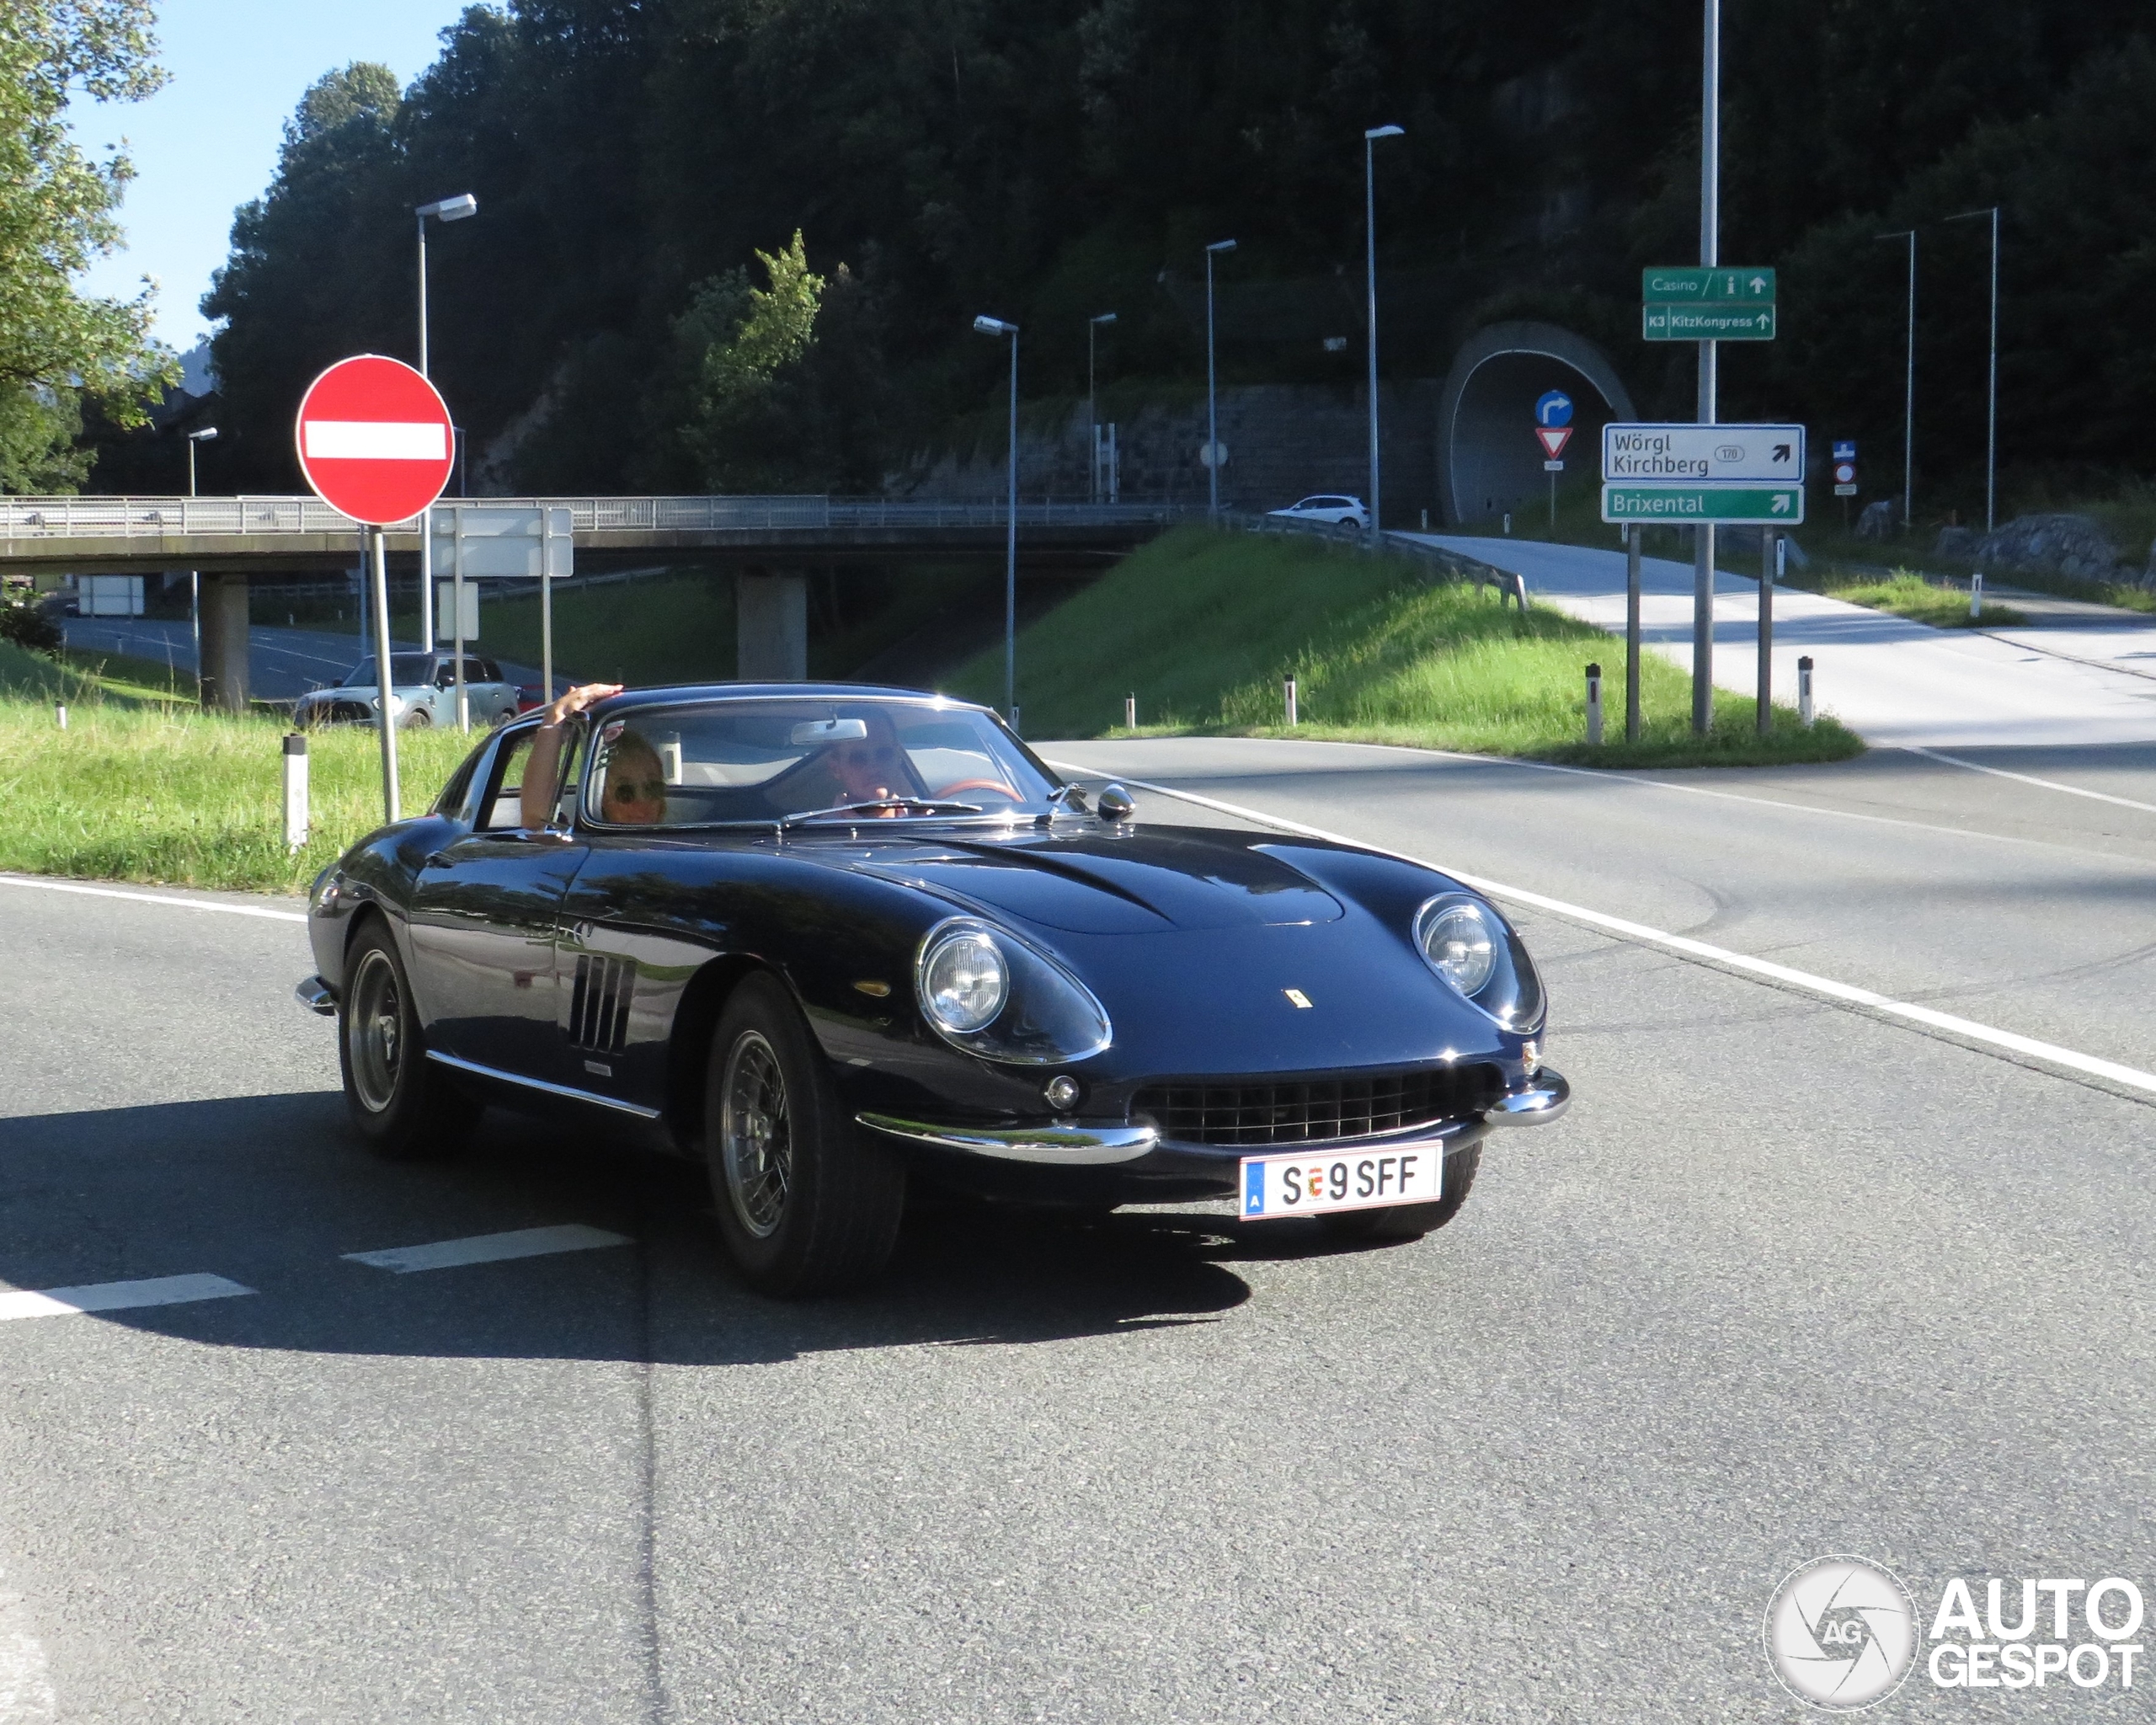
(273,1192)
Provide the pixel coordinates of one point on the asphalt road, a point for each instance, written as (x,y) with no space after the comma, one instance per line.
(1791,1279)
(282,664)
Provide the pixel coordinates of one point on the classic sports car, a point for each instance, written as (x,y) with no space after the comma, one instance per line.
(830,939)
(423,686)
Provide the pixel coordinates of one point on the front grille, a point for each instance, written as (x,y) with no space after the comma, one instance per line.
(1311,1110)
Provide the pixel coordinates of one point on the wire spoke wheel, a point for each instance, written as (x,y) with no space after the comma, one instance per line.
(375,1028)
(755,1134)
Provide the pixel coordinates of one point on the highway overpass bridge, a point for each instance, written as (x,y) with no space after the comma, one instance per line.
(770,543)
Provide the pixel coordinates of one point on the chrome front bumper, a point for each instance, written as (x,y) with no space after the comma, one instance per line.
(1547,1096)
(317,997)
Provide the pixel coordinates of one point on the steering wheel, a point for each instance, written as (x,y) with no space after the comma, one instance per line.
(981,784)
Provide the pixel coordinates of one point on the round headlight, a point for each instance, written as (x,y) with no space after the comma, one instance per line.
(963,982)
(1460,944)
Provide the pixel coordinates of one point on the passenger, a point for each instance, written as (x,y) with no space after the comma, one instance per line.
(542,767)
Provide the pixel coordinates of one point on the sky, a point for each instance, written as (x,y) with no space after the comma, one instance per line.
(207,141)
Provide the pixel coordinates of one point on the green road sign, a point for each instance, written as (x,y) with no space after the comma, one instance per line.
(1771,505)
(1706,323)
(1679,285)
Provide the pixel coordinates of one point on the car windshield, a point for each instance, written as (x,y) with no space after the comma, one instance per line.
(772,760)
(407,668)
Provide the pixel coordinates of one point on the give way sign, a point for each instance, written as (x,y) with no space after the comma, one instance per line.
(374,440)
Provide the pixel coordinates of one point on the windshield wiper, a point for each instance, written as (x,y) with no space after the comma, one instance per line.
(912,805)
(1075,793)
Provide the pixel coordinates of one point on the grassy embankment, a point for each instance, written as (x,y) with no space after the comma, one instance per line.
(1202,626)
(138,787)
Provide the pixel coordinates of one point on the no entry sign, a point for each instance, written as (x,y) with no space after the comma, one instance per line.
(374,440)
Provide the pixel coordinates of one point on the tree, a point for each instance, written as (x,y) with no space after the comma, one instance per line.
(56,216)
(744,340)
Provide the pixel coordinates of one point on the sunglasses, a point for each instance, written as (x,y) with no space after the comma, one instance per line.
(630,790)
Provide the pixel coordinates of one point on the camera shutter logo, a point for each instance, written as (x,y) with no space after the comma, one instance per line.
(1841,1632)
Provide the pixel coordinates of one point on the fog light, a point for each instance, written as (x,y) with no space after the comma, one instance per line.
(1062,1092)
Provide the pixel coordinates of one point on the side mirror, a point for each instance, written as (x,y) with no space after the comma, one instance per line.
(1115,804)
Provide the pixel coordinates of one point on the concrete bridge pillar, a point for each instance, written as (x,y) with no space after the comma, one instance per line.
(224,642)
(772,627)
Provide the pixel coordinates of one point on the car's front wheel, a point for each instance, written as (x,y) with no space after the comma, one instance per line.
(406,1108)
(1410,1222)
(806,1203)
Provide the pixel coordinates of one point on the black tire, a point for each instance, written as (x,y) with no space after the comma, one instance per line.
(417,718)
(1410,1222)
(806,1203)
(405,1108)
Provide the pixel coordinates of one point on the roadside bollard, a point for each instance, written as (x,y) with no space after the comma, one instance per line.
(1977,594)
(1289,690)
(1508,524)
(295,809)
(1130,712)
(1594,707)
(1804,689)
(60,714)
(1425,520)
(1015,731)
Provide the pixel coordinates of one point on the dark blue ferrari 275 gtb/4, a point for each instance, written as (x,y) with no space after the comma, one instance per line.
(832,939)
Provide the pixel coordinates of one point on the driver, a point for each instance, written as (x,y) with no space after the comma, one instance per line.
(634,794)
(872,769)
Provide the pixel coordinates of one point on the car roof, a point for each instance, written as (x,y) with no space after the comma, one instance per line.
(673,694)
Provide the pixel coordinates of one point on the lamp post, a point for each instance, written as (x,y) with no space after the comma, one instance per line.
(1370,256)
(208,433)
(453,209)
(1212,416)
(1909,384)
(1703,536)
(1092,413)
(996,326)
(1991,398)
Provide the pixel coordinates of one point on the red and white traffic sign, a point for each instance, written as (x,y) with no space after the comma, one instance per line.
(1553,439)
(374,440)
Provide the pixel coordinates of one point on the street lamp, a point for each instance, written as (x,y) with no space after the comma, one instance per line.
(1909,386)
(1093,412)
(1212,417)
(1370,234)
(208,433)
(453,209)
(1991,405)
(996,326)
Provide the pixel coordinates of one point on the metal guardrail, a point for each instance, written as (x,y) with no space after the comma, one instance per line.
(1450,565)
(179,517)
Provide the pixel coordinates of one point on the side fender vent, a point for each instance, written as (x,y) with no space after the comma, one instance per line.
(599,1009)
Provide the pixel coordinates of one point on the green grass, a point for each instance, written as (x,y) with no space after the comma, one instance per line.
(1202,626)
(144,790)
(1907,594)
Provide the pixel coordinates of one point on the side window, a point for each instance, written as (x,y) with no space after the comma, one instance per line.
(502,810)
(573,748)
(489,672)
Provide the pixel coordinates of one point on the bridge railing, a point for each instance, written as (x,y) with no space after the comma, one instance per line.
(178,517)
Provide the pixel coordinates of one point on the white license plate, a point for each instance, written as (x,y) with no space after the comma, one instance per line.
(1309,1184)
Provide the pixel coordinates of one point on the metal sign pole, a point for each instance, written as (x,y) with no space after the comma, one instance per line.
(384,677)
(1631,631)
(1703,551)
(1770,556)
(456,598)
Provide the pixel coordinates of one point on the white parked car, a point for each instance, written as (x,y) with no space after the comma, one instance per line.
(423,692)
(1328,508)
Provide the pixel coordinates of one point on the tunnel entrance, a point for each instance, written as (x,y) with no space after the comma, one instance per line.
(1488,459)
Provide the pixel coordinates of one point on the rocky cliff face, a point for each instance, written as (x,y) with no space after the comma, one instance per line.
(2050,544)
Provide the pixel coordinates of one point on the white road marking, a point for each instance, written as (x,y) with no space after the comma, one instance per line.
(111,892)
(2047,784)
(489,1248)
(116,1296)
(26,1696)
(2073,1060)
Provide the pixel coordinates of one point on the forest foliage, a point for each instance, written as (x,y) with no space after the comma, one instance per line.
(740,243)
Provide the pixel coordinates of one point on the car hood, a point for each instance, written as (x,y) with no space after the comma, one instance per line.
(1110,882)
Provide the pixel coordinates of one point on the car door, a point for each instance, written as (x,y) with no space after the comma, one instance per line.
(483,927)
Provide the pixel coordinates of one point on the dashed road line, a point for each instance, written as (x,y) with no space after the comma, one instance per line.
(1967,1030)
(114,892)
(489,1249)
(116,1296)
